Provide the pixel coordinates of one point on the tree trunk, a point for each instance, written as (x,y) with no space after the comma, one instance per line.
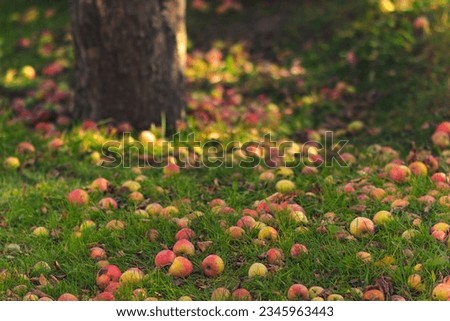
(128,65)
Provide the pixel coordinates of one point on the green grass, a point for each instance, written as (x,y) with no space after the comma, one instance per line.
(330,263)
(408,78)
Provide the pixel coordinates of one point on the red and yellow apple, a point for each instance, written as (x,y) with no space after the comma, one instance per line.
(241,294)
(298,249)
(373,295)
(78,197)
(298,292)
(382,217)
(99,184)
(181,267)
(275,256)
(441,292)
(212,265)
(183,247)
(268,233)
(131,276)
(220,294)
(362,226)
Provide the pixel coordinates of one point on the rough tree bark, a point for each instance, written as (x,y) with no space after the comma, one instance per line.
(128,65)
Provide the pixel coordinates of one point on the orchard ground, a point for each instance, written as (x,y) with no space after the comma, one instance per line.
(373,74)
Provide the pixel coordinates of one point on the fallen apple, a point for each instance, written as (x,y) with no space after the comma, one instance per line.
(241,295)
(275,256)
(212,265)
(164,258)
(11,163)
(78,197)
(257,270)
(441,292)
(184,247)
(298,292)
(362,226)
(131,276)
(220,294)
(181,267)
(382,217)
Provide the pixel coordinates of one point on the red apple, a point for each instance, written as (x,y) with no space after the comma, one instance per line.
(103,281)
(378,193)
(184,246)
(185,233)
(250,212)
(107,275)
(164,258)
(136,197)
(439,177)
(444,127)
(241,295)
(373,295)
(112,287)
(78,197)
(235,232)
(246,221)
(89,125)
(422,24)
(266,218)
(212,265)
(25,148)
(275,256)
(171,169)
(107,203)
(97,253)
(362,226)
(298,250)
(104,296)
(399,173)
(217,202)
(298,292)
(67,297)
(439,235)
(55,144)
